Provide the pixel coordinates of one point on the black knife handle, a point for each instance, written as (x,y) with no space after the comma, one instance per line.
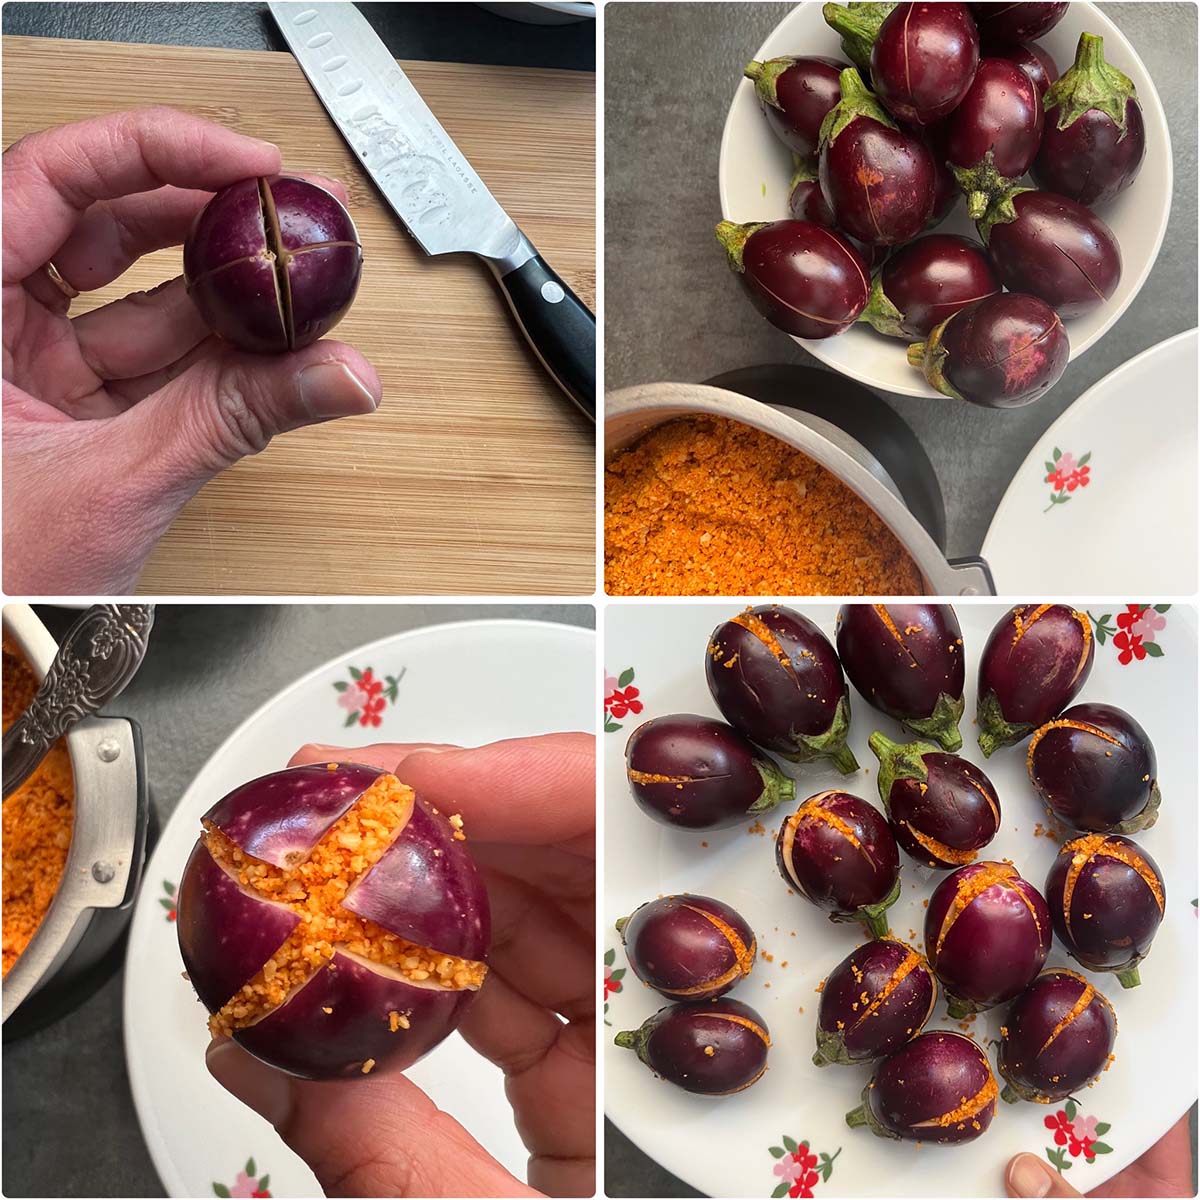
(558,326)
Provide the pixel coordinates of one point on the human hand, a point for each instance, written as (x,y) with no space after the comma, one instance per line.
(529,811)
(113,420)
(1164,1170)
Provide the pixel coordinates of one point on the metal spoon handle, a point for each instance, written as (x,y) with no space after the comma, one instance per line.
(99,656)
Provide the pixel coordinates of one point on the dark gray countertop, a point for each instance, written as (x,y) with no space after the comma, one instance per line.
(69,1126)
(670,311)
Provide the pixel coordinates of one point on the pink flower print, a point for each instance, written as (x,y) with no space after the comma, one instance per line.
(1148,624)
(788,1168)
(352,699)
(243,1185)
(611,683)
(1066,463)
(1085,1127)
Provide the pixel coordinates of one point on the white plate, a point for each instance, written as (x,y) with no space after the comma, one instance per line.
(756,169)
(723,1146)
(1132,436)
(469,682)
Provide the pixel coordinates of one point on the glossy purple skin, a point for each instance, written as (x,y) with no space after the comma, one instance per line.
(925,1080)
(681,953)
(858,1033)
(1005,351)
(1039,1060)
(1001,114)
(1031,58)
(902,678)
(1122,911)
(1084,778)
(1091,160)
(996,945)
(804,278)
(773,704)
(1018,20)
(1057,250)
(879,182)
(934,277)
(230,263)
(806,203)
(672,1044)
(725,782)
(826,867)
(806,91)
(923,60)
(945,187)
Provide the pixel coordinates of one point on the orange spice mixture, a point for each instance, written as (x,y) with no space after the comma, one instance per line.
(709,506)
(38,818)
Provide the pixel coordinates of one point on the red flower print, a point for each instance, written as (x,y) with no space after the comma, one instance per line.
(1129,646)
(372,710)
(1061,1126)
(612,981)
(1077,1146)
(623,701)
(1130,617)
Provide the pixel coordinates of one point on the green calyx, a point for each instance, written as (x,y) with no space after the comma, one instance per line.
(777,787)
(981,184)
(942,724)
(857,101)
(1146,817)
(858,24)
(765,76)
(831,744)
(633,1039)
(1130,977)
(734,237)
(880,313)
(994,730)
(898,761)
(1091,83)
(862,1115)
(873,917)
(1001,211)
(930,358)
(803,171)
(831,1048)
(621,923)
(1010,1094)
(959,1009)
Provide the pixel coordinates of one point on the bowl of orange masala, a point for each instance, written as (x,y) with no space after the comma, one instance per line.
(711,493)
(74,841)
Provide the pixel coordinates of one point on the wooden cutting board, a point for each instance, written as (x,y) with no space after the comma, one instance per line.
(475,475)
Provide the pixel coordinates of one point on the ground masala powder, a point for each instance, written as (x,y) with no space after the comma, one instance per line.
(38,818)
(709,506)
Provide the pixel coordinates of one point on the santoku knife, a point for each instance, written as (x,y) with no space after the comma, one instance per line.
(430,185)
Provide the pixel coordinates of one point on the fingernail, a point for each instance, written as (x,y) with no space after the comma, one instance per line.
(262,1088)
(1028,1177)
(332,390)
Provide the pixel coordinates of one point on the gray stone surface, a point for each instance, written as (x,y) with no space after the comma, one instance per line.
(69,1126)
(673,313)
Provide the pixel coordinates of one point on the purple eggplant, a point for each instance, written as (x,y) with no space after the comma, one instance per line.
(945,187)
(1107,899)
(1002,352)
(714,1049)
(1057,1037)
(923,60)
(806,202)
(806,279)
(1018,20)
(696,773)
(1054,249)
(1096,769)
(939,1088)
(1031,58)
(992,137)
(688,947)
(858,24)
(272,264)
(1036,660)
(943,809)
(318,987)
(775,677)
(839,854)
(876,999)
(878,179)
(987,934)
(1095,138)
(795,94)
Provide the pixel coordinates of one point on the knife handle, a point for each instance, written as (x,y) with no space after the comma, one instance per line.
(558,326)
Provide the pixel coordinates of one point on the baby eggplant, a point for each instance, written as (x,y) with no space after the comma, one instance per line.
(776,678)
(879,179)
(925,282)
(943,809)
(696,773)
(923,60)
(1096,769)
(806,202)
(907,661)
(1036,660)
(859,25)
(1032,59)
(1019,20)
(987,934)
(1057,1037)
(1095,138)
(992,137)
(839,853)
(795,94)
(1107,900)
(945,187)
(939,1088)
(804,278)
(714,1049)
(688,947)
(1001,352)
(1052,248)
(876,999)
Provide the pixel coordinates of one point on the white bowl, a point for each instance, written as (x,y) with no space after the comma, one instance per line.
(756,169)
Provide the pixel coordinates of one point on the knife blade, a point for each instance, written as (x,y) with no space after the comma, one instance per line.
(430,185)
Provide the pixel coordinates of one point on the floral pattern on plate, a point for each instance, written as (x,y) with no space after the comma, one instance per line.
(612,979)
(800,1169)
(246,1184)
(1134,636)
(620,699)
(365,697)
(1075,1136)
(1066,475)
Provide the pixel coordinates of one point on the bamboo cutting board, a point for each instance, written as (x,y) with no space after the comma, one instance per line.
(475,475)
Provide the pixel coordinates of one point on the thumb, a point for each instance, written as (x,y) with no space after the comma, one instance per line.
(1027,1175)
(375,1136)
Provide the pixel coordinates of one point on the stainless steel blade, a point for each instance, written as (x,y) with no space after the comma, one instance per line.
(413,161)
